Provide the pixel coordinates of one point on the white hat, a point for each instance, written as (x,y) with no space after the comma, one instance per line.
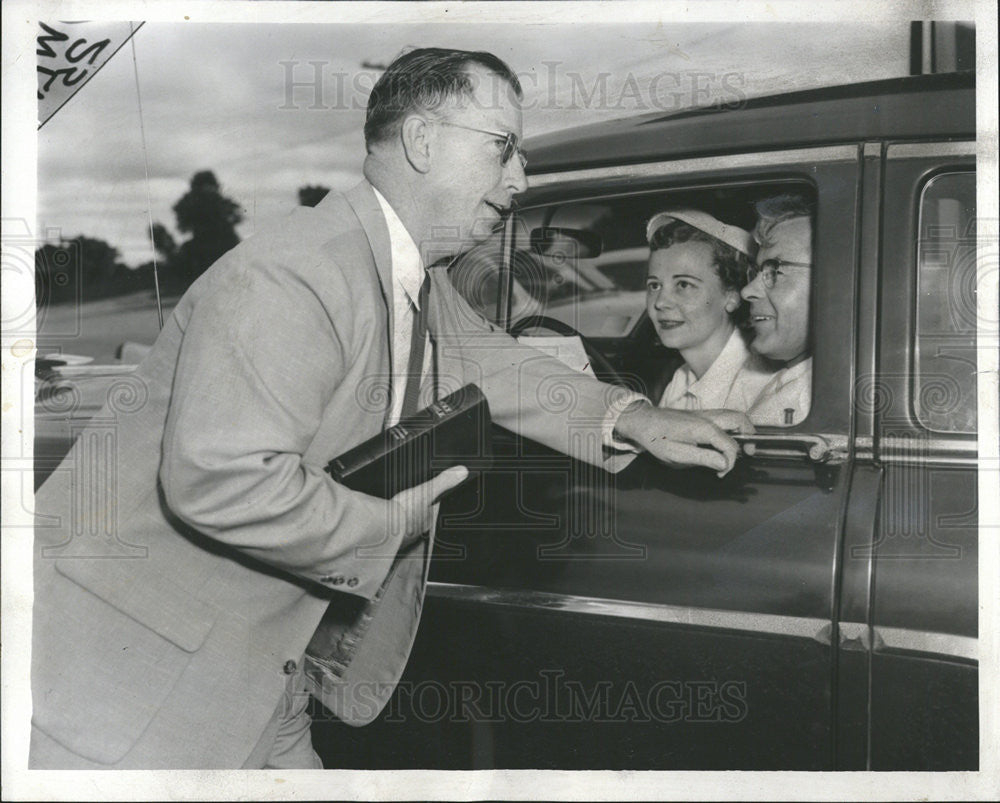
(733,236)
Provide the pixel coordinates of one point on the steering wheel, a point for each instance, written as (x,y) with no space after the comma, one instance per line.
(603,369)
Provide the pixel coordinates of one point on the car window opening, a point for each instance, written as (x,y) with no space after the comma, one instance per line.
(584,263)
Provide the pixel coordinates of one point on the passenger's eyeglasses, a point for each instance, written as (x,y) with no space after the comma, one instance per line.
(510,144)
(769,269)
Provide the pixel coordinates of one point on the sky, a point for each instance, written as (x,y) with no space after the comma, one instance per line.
(216,96)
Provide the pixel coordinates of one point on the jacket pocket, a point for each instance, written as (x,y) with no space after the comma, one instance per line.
(112,638)
(146,596)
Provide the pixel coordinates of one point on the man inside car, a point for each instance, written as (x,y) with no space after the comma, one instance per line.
(232,550)
(777,291)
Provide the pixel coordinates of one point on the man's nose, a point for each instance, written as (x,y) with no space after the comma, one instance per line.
(514,177)
(752,289)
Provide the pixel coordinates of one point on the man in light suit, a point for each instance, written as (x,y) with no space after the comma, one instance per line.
(172,614)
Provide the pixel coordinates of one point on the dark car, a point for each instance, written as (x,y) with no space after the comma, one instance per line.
(814,609)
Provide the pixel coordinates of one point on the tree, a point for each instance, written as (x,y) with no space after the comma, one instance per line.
(99,261)
(163,242)
(79,267)
(210,218)
(310,194)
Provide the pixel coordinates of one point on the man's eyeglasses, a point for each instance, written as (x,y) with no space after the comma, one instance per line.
(510,144)
(770,269)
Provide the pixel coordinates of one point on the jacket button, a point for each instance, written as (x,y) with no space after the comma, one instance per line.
(352,582)
(338,580)
(289,667)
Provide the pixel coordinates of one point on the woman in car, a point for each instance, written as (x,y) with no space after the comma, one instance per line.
(697,266)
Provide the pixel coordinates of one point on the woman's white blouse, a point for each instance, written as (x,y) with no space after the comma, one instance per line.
(733,381)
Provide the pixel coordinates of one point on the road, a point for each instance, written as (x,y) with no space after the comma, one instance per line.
(97,328)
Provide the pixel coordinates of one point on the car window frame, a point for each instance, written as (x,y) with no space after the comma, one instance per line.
(917,386)
(817,166)
(899,435)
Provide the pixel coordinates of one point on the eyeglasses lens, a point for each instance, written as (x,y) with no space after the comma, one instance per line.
(509,149)
(767,270)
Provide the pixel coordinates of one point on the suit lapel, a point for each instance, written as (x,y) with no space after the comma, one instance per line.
(365,205)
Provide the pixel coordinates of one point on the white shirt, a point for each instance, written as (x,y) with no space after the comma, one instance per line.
(785,400)
(733,381)
(407,276)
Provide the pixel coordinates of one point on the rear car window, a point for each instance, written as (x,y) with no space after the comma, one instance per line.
(944,393)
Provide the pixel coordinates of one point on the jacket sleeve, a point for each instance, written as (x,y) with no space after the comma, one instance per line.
(529,391)
(260,359)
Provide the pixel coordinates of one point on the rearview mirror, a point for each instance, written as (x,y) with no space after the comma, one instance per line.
(568,243)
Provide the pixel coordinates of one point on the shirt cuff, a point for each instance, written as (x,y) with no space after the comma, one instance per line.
(620,400)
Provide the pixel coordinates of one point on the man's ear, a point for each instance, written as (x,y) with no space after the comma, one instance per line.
(416,135)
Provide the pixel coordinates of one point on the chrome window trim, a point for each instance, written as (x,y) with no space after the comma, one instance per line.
(960,449)
(857,635)
(926,641)
(679,167)
(707,618)
(920,150)
(930,461)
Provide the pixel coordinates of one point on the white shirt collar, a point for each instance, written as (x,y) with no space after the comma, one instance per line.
(795,373)
(407,266)
(713,387)
(785,399)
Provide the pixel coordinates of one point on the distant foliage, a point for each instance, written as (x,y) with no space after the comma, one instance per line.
(211,219)
(82,269)
(163,242)
(85,268)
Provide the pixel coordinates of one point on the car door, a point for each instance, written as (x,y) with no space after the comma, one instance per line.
(908,637)
(657,618)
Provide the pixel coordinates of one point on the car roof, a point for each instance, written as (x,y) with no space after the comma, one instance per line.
(911,108)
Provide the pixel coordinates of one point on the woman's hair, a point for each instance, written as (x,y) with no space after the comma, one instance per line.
(730,265)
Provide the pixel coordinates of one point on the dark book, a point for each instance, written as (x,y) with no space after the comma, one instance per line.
(454,430)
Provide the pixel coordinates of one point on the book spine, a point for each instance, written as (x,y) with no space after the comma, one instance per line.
(407,430)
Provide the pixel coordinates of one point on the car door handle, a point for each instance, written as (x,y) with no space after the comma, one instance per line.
(815,447)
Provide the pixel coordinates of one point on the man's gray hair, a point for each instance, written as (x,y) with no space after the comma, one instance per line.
(777,209)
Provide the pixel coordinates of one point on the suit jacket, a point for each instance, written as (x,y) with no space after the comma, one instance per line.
(190,543)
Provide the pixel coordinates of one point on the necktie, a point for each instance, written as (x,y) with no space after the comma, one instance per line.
(415,367)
